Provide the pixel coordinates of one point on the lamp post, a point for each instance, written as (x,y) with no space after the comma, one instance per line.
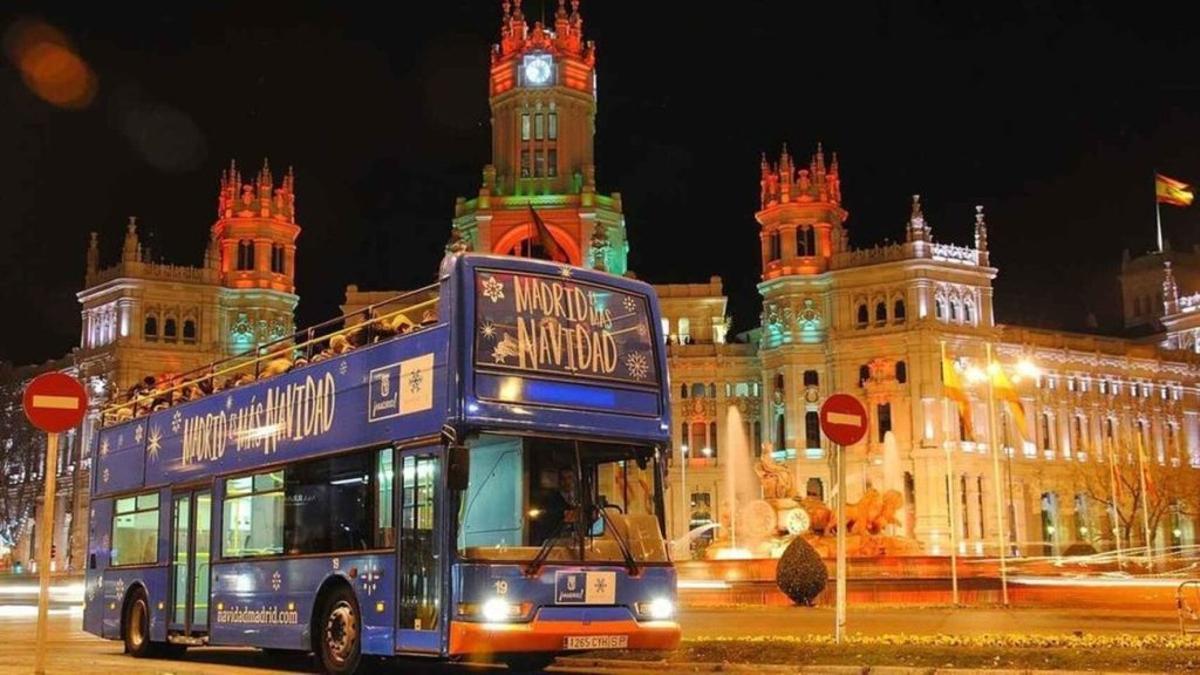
(684,500)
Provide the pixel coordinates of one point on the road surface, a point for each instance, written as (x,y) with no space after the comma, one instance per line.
(74,652)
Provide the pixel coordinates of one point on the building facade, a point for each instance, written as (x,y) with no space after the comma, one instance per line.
(143,318)
(871,321)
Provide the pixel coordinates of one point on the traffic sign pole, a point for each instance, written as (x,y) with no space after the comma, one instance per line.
(844,422)
(840,621)
(45,536)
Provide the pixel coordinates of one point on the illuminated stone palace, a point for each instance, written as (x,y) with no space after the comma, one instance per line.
(870,321)
(141,317)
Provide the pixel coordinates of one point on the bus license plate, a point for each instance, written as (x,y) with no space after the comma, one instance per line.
(596,642)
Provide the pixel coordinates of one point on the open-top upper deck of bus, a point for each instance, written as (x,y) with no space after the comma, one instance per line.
(497,343)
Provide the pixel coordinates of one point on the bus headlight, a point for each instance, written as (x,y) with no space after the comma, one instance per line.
(497,610)
(657,609)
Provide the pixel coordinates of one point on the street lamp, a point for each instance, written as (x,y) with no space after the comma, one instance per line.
(685,512)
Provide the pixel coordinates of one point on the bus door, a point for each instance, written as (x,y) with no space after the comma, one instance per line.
(421,558)
(191,522)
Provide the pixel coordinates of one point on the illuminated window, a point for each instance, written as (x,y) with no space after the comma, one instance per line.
(806,241)
(526,164)
(812,429)
(552,126)
(277,258)
(539,126)
(135,530)
(539,164)
(552,162)
(969,312)
(666,329)
(245,256)
(775,246)
(880,313)
(1047,443)
(170,329)
(939,308)
(954,310)
(863,317)
(883,413)
(898,311)
(685,331)
(698,390)
(525,126)
(864,374)
(150,330)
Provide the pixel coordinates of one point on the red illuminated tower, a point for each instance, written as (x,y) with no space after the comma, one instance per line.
(254,244)
(801,216)
(543,102)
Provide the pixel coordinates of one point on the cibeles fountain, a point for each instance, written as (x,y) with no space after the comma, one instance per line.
(763,511)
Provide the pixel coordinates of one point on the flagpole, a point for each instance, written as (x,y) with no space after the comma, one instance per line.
(953,505)
(1145,502)
(1000,533)
(1112,478)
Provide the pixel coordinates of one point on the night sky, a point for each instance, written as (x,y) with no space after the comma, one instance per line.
(1053,117)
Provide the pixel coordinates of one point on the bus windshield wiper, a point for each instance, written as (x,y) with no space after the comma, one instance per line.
(547,546)
(630,563)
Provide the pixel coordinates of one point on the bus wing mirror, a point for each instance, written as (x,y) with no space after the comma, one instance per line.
(458,469)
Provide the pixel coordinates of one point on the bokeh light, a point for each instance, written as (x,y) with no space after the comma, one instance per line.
(49,65)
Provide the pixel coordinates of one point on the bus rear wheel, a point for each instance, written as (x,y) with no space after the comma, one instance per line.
(339,643)
(137,626)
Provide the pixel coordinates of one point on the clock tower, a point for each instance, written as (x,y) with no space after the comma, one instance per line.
(543,102)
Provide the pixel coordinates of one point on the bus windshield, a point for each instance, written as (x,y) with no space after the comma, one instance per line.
(535,499)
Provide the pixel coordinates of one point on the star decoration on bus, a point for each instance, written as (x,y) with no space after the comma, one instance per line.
(138,432)
(276,580)
(415,380)
(505,348)
(370,578)
(637,365)
(488,330)
(176,422)
(154,443)
(493,290)
(630,304)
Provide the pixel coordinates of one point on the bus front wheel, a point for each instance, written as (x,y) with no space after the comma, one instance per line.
(340,628)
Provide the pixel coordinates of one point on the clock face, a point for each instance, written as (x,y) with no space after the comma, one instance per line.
(537,69)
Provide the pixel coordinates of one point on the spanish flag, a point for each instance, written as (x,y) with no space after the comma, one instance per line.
(1171,191)
(1006,392)
(953,387)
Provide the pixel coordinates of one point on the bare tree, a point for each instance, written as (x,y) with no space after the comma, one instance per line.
(21,450)
(1173,486)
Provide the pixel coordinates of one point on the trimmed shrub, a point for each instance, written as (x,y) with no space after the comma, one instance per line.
(801,573)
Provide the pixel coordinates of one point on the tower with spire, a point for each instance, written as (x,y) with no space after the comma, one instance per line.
(542,92)
(801,217)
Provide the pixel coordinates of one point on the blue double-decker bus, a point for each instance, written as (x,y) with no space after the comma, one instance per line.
(471,469)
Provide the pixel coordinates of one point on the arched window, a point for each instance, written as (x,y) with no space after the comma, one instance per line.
(812,429)
(775,246)
(954,310)
(864,374)
(780,432)
(277,258)
(712,437)
(806,241)
(811,379)
(245,259)
(1108,429)
(683,391)
(939,308)
(779,382)
(189,330)
(169,329)
(880,313)
(863,316)
(898,311)
(1077,434)
(969,312)
(901,372)
(1047,443)
(697,390)
(712,390)
(150,330)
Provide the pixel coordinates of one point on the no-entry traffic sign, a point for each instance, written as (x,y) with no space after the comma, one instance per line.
(55,402)
(843,419)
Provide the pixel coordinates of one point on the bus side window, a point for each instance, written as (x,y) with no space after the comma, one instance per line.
(92,561)
(385,472)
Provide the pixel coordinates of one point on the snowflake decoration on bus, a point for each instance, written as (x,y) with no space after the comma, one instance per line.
(493,290)
(601,585)
(104,447)
(566,272)
(343,367)
(119,587)
(104,476)
(415,380)
(154,443)
(337,564)
(488,330)
(176,422)
(370,578)
(138,432)
(630,304)
(276,580)
(637,365)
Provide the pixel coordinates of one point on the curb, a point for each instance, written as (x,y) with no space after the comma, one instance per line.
(625,666)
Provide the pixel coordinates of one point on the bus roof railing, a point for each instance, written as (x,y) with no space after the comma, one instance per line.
(336,336)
